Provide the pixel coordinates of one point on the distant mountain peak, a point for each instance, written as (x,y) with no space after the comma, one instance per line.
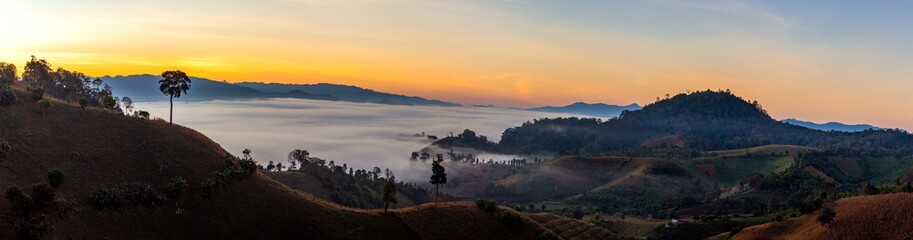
(830,126)
(589,109)
(347,93)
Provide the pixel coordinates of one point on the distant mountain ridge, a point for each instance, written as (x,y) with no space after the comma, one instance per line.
(144,87)
(590,109)
(831,126)
(346,93)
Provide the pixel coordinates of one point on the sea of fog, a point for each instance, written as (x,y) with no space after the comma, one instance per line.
(362,135)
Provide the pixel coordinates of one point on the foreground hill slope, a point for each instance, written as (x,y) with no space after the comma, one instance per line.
(885,216)
(102,149)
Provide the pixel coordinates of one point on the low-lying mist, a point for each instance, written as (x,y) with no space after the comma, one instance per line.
(362,135)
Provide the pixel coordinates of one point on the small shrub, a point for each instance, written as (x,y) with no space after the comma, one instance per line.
(36,227)
(487,205)
(735,230)
(547,235)
(248,166)
(141,114)
(5,149)
(177,187)
(45,102)
(107,197)
(142,193)
(826,217)
(83,102)
(37,92)
(7,96)
(518,207)
(43,194)
(56,177)
(21,203)
(207,188)
(510,219)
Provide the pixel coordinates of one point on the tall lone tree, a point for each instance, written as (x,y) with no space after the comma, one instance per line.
(438,177)
(174,83)
(389,192)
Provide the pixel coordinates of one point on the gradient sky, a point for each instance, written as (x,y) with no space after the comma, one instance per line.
(813,60)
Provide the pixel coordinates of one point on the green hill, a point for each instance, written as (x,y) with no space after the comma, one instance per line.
(706,120)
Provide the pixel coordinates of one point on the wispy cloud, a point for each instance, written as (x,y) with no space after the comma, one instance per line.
(735,8)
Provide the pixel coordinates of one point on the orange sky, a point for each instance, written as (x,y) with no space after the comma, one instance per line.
(807,62)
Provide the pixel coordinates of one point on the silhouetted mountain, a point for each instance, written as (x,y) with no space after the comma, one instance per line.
(706,120)
(601,110)
(831,126)
(145,88)
(346,93)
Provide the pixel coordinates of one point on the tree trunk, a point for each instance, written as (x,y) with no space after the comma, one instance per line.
(437,193)
(386,205)
(171,111)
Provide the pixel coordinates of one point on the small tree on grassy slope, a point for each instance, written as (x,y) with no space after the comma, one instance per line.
(827,217)
(389,192)
(438,177)
(174,83)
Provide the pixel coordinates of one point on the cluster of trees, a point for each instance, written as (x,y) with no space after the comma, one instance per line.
(70,86)
(8,74)
(29,212)
(361,188)
(73,86)
(468,139)
(470,159)
(245,166)
(706,120)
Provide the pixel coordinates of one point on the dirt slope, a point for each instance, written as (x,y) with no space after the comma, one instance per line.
(888,216)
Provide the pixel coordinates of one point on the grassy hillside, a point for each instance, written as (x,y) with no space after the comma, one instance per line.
(103,149)
(885,216)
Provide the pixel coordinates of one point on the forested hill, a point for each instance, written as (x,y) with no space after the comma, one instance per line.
(705,120)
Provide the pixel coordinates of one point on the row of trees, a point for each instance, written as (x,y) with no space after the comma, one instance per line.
(72,86)
(362,188)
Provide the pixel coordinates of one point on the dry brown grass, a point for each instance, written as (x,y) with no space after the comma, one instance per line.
(888,216)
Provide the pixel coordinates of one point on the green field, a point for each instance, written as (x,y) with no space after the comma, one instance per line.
(887,169)
(733,170)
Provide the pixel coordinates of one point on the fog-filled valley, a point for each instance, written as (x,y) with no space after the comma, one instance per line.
(362,135)
(456,120)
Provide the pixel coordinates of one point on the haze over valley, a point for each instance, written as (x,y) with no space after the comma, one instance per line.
(456,120)
(363,135)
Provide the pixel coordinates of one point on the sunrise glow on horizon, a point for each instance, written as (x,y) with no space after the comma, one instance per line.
(818,61)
